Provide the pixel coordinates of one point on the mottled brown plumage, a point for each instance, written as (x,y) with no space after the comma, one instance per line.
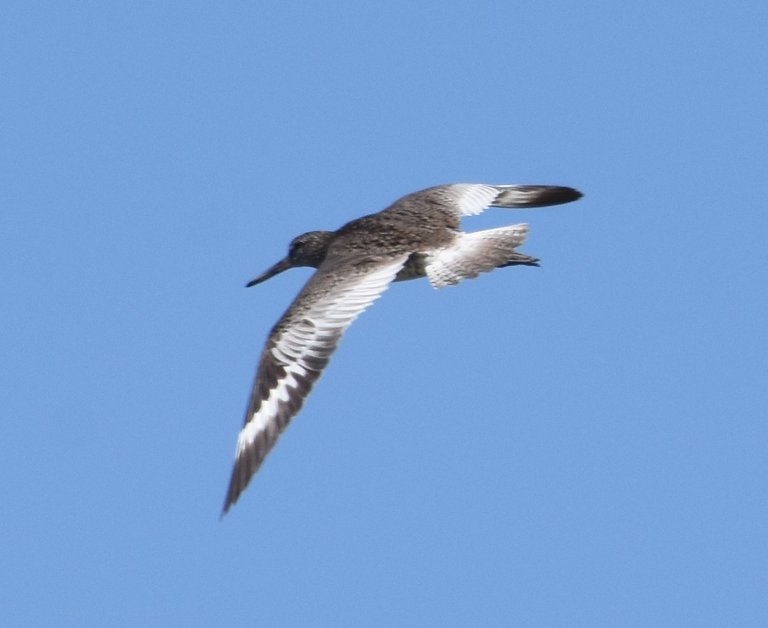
(417,236)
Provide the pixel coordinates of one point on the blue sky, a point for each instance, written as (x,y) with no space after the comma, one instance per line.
(582,444)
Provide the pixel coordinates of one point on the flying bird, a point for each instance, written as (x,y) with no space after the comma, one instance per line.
(417,236)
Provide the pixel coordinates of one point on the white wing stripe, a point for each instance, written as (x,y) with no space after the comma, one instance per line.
(473,199)
(315,336)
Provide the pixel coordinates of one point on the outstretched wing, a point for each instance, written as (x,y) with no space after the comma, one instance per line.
(470,199)
(297,351)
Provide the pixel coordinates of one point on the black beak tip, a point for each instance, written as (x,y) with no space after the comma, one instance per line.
(275,270)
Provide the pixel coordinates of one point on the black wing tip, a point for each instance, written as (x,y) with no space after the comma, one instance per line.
(242,472)
(230,500)
(572,194)
(530,196)
(556,195)
(233,494)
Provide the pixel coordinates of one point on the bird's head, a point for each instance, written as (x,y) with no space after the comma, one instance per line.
(308,249)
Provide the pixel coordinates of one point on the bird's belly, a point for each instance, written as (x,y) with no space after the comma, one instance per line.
(413,269)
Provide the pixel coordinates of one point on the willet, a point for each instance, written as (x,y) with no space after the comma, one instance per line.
(418,236)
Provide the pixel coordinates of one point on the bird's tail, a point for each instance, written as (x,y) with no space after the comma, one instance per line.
(478,252)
